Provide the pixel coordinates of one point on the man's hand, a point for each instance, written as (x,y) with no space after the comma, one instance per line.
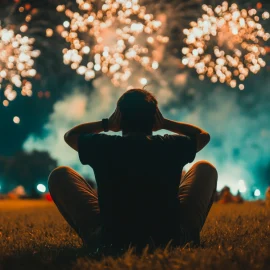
(159,121)
(115,121)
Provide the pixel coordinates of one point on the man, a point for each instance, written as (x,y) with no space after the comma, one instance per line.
(139,201)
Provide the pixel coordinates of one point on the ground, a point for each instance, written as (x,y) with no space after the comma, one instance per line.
(33,235)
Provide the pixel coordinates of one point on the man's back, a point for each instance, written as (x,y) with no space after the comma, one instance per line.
(138,179)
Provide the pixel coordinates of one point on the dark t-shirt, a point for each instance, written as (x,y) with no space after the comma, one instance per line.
(138,179)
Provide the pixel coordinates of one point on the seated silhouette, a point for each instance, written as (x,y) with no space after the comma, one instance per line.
(141,198)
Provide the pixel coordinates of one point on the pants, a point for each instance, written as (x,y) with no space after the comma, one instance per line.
(77,201)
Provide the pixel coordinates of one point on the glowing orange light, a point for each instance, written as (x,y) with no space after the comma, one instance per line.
(226,44)
(118,30)
(34,11)
(16,61)
(5,103)
(259,5)
(16,120)
(27,6)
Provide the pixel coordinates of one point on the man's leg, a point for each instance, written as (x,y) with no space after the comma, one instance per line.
(77,202)
(196,194)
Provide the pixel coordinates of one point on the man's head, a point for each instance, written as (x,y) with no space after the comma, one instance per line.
(138,108)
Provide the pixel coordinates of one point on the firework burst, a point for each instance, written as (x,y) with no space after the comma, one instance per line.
(16,64)
(226,44)
(106,36)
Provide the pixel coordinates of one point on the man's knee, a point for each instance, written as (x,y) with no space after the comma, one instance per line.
(206,167)
(58,176)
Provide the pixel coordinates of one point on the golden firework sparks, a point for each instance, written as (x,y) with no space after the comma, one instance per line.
(106,36)
(16,64)
(226,44)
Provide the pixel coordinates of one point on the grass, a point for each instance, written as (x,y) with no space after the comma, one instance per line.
(33,235)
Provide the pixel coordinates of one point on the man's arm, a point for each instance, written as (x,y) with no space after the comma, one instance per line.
(71,137)
(202,137)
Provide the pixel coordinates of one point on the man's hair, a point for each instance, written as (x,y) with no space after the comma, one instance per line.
(138,108)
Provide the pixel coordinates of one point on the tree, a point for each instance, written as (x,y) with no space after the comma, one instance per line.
(27,169)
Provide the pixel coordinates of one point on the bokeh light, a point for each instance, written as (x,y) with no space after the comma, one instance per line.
(257,193)
(16,64)
(49,32)
(41,188)
(106,36)
(226,44)
(143,81)
(16,120)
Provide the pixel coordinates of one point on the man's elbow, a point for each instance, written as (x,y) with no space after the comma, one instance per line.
(66,137)
(207,138)
(203,140)
(71,141)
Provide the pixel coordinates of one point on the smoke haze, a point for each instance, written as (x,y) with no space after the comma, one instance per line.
(240,137)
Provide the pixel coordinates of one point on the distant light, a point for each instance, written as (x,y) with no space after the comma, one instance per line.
(265,15)
(86,50)
(143,81)
(241,87)
(16,120)
(185,61)
(49,32)
(155,65)
(66,24)
(81,70)
(97,67)
(201,77)
(257,193)
(41,188)
(23,28)
(5,103)
(60,8)
(59,29)
(28,18)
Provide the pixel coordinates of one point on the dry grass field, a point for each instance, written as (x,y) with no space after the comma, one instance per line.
(33,235)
